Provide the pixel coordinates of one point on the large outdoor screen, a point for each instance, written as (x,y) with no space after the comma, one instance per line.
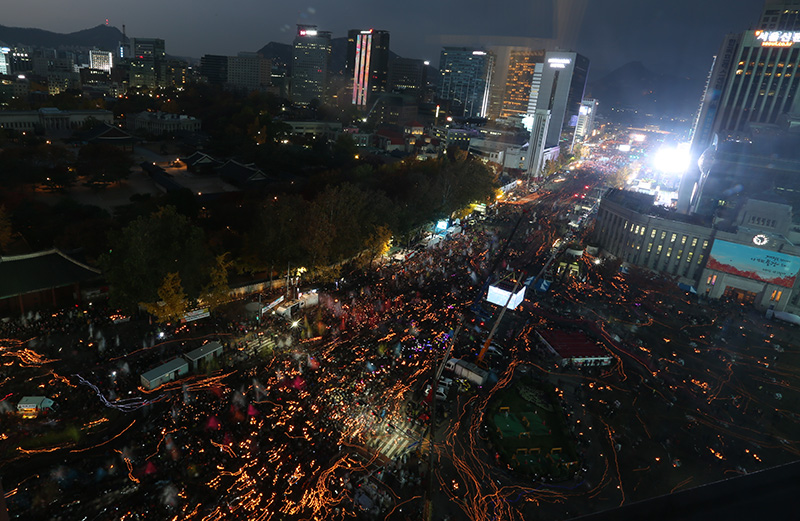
(499,296)
(754,263)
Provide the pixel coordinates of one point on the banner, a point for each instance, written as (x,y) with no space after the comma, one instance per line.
(754,263)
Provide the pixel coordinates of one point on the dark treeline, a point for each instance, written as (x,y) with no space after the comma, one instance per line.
(340,207)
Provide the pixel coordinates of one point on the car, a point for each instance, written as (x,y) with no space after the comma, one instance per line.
(441,392)
(445,382)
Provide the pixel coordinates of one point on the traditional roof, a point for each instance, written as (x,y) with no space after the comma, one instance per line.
(107,134)
(241,175)
(22,274)
(199,158)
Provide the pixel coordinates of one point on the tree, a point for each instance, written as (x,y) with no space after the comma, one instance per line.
(274,237)
(104,164)
(172,303)
(376,245)
(217,291)
(142,254)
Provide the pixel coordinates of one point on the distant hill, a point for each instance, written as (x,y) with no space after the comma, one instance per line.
(103,37)
(634,86)
(279,53)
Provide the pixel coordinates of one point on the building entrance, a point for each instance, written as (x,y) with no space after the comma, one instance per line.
(739,295)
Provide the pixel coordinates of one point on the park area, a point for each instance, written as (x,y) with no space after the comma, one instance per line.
(527,427)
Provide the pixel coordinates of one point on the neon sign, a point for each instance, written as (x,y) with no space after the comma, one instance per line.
(777,38)
(558,63)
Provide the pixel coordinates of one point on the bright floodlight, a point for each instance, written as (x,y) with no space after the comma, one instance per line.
(672,160)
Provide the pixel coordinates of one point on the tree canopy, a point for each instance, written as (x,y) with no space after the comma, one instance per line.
(142,255)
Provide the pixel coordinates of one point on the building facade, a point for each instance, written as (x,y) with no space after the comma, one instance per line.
(51,119)
(147,63)
(752,258)
(753,81)
(101,60)
(249,71)
(367,63)
(585,124)
(311,57)
(465,77)
(563,83)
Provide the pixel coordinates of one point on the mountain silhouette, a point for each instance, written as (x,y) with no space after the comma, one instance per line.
(104,37)
(634,86)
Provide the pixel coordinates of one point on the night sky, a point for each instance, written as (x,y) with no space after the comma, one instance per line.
(677,37)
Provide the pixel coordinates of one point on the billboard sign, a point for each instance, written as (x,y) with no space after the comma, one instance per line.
(499,296)
(754,263)
(197,314)
(777,38)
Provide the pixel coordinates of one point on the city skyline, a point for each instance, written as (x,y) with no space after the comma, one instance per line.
(678,38)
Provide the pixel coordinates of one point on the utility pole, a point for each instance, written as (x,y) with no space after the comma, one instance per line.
(434,387)
(497,322)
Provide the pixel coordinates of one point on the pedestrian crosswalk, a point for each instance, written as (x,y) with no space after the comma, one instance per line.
(400,441)
(258,344)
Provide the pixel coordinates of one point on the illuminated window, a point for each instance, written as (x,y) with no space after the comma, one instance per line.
(669,252)
(705,244)
(689,256)
(672,239)
(649,247)
(658,250)
(776,295)
(653,234)
(694,242)
(663,234)
(683,240)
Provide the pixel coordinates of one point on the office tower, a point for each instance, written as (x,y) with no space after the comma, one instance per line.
(539,123)
(124,45)
(465,75)
(367,63)
(214,68)
(5,60)
(249,71)
(311,57)
(101,60)
(147,63)
(511,80)
(406,75)
(585,120)
(780,15)
(563,82)
(753,82)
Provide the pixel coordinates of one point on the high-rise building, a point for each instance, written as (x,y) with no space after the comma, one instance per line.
(249,71)
(406,75)
(147,63)
(563,82)
(753,82)
(5,60)
(214,68)
(465,75)
(367,63)
(101,60)
(511,80)
(539,125)
(585,120)
(311,57)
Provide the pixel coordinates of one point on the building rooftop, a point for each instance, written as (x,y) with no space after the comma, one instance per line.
(203,351)
(22,274)
(166,368)
(573,344)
